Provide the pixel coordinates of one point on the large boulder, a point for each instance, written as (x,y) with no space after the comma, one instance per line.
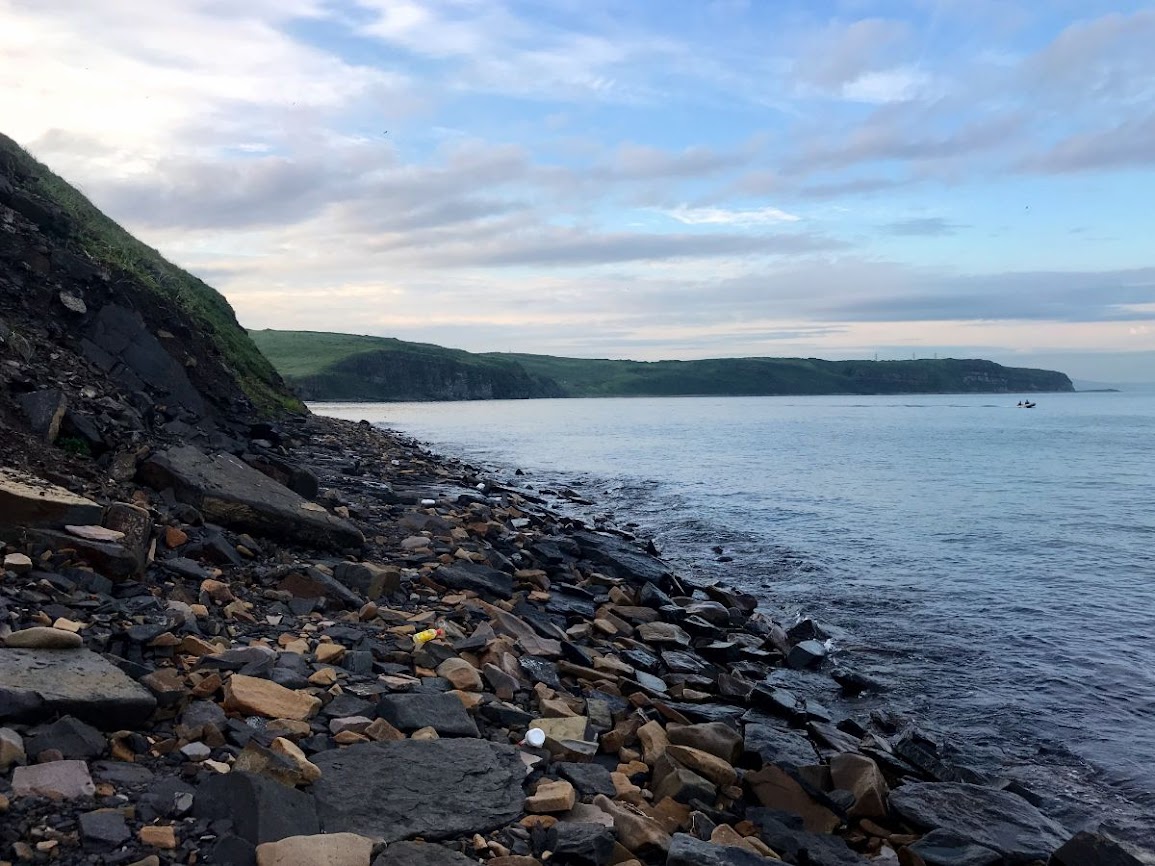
(227,491)
(485,581)
(40,683)
(999,820)
(26,500)
(1092,849)
(443,712)
(434,789)
(624,558)
(260,809)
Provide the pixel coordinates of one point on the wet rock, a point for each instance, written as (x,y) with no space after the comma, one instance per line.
(540,671)
(1093,849)
(442,712)
(623,558)
(808,654)
(999,820)
(66,780)
(259,697)
(861,777)
(854,683)
(716,738)
(26,500)
(485,581)
(232,493)
(336,849)
(580,844)
(42,637)
(35,684)
(260,809)
(944,848)
(104,828)
(434,789)
(421,854)
(686,850)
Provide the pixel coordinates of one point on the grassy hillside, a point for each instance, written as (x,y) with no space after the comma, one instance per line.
(343,366)
(109,245)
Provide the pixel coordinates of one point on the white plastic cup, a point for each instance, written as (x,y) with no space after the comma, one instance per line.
(535,737)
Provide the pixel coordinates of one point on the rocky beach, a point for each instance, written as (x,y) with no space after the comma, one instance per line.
(236,633)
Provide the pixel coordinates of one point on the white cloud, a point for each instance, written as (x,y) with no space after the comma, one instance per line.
(696,216)
(889,85)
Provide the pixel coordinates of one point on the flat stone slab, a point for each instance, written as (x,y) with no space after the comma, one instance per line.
(435,789)
(230,492)
(26,500)
(39,683)
(443,712)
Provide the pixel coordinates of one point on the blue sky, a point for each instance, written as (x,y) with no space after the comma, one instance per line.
(626,179)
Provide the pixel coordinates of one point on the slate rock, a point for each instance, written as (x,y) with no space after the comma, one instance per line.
(1092,849)
(687,850)
(442,712)
(999,820)
(580,844)
(626,559)
(714,738)
(588,779)
(435,789)
(421,854)
(66,780)
(540,671)
(485,581)
(26,500)
(71,737)
(44,410)
(769,744)
(807,654)
(260,809)
(36,684)
(104,828)
(232,850)
(229,492)
(786,835)
(944,848)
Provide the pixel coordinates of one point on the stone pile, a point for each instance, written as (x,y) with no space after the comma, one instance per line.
(253,690)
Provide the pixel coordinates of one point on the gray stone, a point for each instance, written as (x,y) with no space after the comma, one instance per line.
(232,493)
(768,744)
(104,828)
(580,844)
(67,780)
(588,779)
(442,712)
(26,500)
(623,557)
(716,738)
(435,789)
(35,684)
(367,578)
(1093,849)
(800,846)
(807,654)
(421,854)
(944,848)
(44,410)
(999,820)
(260,809)
(71,737)
(686,850)
(658,633)
(482,579)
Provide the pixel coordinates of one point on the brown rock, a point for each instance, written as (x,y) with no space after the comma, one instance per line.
(551,796)
(56,779)
(717,738)
(461,674)
(776,789)
(861,776)
(383,732)
(329,653)
(174,537)
(158,837)
(310,772)
(704,764)
(254,696)
(43,637)
(636,831)
(654,741)
(330,849)
(17,563)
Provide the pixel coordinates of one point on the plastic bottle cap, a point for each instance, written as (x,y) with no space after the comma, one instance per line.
(535,737)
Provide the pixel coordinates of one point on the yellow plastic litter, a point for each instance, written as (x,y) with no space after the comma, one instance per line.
(423,637)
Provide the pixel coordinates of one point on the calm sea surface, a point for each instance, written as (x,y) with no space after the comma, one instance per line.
(995,567)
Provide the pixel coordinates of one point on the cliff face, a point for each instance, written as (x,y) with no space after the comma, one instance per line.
(400,375)
(104,345)
(948,375)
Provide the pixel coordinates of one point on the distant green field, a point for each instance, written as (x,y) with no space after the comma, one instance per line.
(348,367)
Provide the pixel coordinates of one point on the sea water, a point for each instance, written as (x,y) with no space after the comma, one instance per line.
(993,566)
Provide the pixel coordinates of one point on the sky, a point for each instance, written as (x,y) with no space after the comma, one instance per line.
(629,179)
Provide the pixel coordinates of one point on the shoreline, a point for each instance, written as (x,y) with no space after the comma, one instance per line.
(285,682)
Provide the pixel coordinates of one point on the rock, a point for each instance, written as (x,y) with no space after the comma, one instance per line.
(711,767)
(42,637)
(309,771)
(769,744)
(336,849)
(26,500)
(654,741)
(422,854)
(485,581)
(163,837)
(580,844)
(36,684)
(944,848)
(229,492)
(230,850)
(777,789)
(625,559)
(589,779)
(567,728)
(260,809)
(798,846)
(435,789)
(808,654)
(717,738)
(551,796)
(683,785)
(854,683)
(65,780)
(11,749)
(860,776)
(368,579)
(686,850)
(44,410)
(71,737)
(17,563)
(663,633)
(104,828)
(259,697)
(1092,849)
(461,674)
(999,820)
(637,832)
(94,533)
(442,712)
(136,524)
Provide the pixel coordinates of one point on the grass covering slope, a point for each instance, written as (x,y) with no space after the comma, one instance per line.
(113,247)
(314,359)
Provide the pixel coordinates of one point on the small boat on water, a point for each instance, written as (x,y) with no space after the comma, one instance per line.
(1026,404)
